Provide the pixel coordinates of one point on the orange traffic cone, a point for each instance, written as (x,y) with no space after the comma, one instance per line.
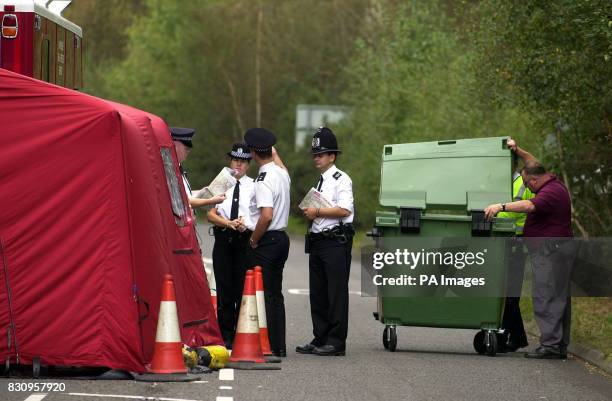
(246,352)
(261,312)
(168,354)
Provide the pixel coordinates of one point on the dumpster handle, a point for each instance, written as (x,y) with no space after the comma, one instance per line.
(447,142)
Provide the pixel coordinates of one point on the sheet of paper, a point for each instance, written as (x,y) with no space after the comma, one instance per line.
(222,182)
(315,199)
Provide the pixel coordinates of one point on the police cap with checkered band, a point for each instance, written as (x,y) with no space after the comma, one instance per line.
(240,151)
(259,139)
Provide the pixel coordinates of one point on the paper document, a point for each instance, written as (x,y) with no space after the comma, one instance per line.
(222,182)
(315,199)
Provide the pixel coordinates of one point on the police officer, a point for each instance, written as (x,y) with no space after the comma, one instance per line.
(182,144)
(512,323)
(330,241)
(269,242)
(182,138)
(231,221)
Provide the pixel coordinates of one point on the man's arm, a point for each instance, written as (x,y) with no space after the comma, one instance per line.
(522,206)
(520,152)
(198,202)
(312,213)
(277,160)
(265,218)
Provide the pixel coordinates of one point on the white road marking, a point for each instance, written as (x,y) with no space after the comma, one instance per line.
(132,397)
(304,291)
(36,397)
(225,387)
(226,374)
(225,398)
(200,381)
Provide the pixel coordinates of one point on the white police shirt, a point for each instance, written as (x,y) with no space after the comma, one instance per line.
(272,190)
(185,182)
(247,189)
(337,188)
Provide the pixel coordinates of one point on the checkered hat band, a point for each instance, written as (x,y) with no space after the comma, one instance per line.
(240,155)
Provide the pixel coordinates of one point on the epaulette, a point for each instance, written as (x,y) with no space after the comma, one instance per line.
(337,175)
(260,177)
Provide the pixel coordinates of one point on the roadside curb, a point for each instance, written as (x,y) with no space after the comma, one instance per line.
(591,355)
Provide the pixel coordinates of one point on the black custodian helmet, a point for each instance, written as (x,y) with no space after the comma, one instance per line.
(324,141)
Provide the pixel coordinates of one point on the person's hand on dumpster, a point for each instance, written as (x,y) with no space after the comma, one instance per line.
(492,210)
(511,144)
(310,213)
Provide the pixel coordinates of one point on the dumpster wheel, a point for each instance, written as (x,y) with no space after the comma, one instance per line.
(390,338)
(491,343)
(479,342)
(485,342)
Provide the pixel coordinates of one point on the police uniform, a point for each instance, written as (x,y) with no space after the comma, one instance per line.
(271,190)
(512,322)
(330,242)
(183,135)
(230,249)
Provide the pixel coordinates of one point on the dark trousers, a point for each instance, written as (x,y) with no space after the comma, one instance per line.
(329,269)
(512,321)
(552,266)
(271,254)
(230,264)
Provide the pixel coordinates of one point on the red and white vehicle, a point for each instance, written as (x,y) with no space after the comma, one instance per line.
(38,42)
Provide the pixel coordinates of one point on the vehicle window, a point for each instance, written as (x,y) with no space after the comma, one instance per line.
(178,207)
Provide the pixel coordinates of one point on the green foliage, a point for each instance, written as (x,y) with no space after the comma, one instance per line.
(553,60)
(410,70)
(414,80)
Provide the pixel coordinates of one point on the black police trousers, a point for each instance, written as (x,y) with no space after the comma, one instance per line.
(329,270)
(230,263)
(271,254)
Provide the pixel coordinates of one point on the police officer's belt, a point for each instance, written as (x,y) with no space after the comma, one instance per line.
(341,233)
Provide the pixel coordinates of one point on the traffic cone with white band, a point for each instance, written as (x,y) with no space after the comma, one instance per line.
(246,352)
(168,355)
(261,312)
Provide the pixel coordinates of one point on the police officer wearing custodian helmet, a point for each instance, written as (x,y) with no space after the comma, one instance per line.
(329,242)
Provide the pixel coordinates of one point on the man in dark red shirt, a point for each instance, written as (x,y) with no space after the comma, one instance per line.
(547,233)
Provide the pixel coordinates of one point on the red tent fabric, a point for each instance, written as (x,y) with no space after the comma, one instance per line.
(88,229)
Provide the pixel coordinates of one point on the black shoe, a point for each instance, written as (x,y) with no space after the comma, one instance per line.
(329,350)
(305,349)
(546,353)
(280,353)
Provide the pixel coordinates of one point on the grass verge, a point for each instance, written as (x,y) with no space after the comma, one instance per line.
(591,322)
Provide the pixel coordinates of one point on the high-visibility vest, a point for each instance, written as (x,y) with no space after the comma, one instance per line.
(519,192)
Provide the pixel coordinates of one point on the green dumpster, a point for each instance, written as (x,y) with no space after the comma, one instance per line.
(433,196)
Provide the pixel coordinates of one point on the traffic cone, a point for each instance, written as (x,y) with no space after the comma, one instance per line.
(168,352)
(261,312)
(246,352)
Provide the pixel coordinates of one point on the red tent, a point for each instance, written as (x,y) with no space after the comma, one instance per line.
(92,216)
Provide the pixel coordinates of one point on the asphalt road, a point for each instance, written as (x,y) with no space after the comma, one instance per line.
(430,364)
